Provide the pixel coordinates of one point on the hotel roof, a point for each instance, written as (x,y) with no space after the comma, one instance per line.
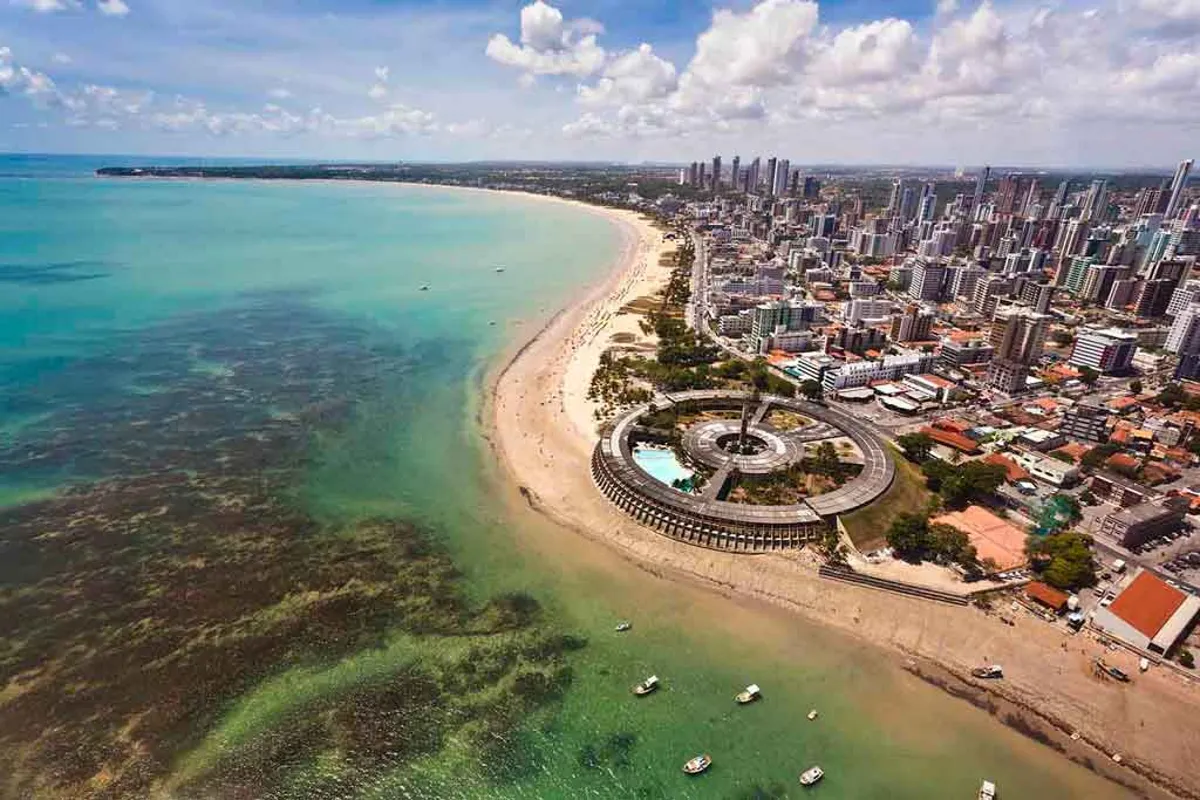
(1147,603)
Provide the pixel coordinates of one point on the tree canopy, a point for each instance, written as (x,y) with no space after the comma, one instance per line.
(916,446)
(1064,560)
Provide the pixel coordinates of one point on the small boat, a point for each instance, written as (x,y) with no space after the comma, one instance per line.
(751,694)
(992,672)
(491,322)
(987,791)
(812,714)
(1116,672)
(624,626)
(646,687)
(811,776)
(698,764)
(424,287)
(499,269)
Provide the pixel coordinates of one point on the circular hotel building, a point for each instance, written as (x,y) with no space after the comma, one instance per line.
(734,471)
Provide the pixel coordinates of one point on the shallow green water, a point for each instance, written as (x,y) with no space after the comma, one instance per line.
(88,264)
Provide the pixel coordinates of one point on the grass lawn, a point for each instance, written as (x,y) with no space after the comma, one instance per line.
(868,526)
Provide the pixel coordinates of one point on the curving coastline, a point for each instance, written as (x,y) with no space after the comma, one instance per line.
(540,425)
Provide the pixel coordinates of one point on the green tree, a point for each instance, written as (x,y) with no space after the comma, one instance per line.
(826,461)
(916,446)
(1135,386)
(1187,659)
(812,390)
(1088,376)
(908,536)
(1096,457)
(1063,559)
(1172,395)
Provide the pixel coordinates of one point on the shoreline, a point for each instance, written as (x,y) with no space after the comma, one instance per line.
(531,418)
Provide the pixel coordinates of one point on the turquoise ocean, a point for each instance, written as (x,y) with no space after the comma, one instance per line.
(195,376)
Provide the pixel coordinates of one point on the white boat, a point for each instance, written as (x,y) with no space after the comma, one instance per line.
(812,714)
(624,626)
(698,764)
(425,287)
(994,672)
(499,269)
(646,687)
(811,776)
(987,791)
(751,694)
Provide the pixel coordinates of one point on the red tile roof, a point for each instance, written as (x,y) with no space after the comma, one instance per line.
(1013,471)
(1123,461)
(1046,595)
(1147,603)
(952,439)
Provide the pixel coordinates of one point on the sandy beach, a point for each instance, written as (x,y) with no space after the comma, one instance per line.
(542,427)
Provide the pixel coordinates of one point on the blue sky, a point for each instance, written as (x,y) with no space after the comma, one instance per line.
(1112,82)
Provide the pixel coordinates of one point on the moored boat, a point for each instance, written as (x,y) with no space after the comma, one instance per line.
(751,693)
(812,714)
(698,764)
(993,672)
(425,287)
(499,269)
(646,687)
(623,626)
(811,776)
(987,791)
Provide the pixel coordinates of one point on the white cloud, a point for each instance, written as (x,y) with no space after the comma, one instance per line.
(633,77)
(279,93)
(47,6)
(61,59)
(946,7)
(378,91)
(550,45)
(112,8)
(764,46)
(382,74)
(868,53)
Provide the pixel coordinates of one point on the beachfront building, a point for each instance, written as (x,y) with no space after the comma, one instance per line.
(888,368)
(1148,614)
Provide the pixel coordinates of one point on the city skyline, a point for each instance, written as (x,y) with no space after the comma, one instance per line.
(952,83)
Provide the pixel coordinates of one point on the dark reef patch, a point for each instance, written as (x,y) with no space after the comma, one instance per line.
(175,577)
(54,272)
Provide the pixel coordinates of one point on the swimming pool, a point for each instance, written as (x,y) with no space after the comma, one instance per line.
(663,466)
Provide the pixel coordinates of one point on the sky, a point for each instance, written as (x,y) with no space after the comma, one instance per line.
(1111,83)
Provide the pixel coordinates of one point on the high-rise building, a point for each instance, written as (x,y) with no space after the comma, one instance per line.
(1095,204)
(1060,199)
(694,175)
(752,175)
(928,277)
(772,165)
(1105,350)
(1183,297)
(1017,337)
(812,188)
(988,293)
(716,174)
(893,206)
(702,178)
(735,173)
(1184,341)
(1075,273)
(1006,193)
(913,325)
(1036,295)
(782,175)
(1177,186)
(1085,422)
(1153,297)
(928,205)
(1098,281)
(1031,199)
(980,184)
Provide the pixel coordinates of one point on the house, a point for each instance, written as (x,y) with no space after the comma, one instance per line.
(1013,471)
(1047,469)
(993,538)
(1047,596)
(1148,614)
